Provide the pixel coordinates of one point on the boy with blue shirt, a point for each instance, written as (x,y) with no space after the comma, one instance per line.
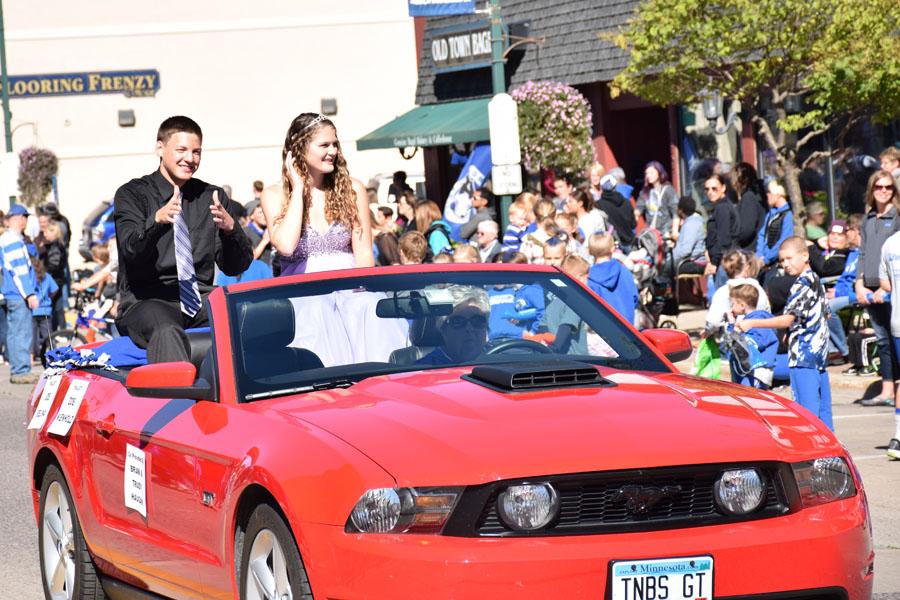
(21,297)
(610,279)
(777,226)
(805,316)
(744,300)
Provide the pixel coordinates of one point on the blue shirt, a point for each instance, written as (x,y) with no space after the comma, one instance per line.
(769,254)
(257,270)
(847,279)
(45,290)
(512,238)
(691,242)
(18,272)
(612,281)
(808,334)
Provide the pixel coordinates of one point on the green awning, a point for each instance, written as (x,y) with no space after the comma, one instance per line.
(433,125)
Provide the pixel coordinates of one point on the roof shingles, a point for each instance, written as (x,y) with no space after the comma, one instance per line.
(571,51)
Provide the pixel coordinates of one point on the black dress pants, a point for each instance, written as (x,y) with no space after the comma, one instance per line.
(158,326)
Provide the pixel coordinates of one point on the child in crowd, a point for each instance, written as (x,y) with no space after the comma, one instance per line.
(889,276)
(610,279)
(466,254)
(519,220)
(806,317)
(568,224)
(744,299)
(741,269)
(566,333)
(46,289)
(413,248)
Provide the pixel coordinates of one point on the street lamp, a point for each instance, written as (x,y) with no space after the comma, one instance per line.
(712,110)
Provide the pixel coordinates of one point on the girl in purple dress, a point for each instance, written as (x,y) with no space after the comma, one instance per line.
(318,219)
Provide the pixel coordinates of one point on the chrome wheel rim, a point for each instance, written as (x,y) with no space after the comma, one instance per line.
(58,544)
(267,577)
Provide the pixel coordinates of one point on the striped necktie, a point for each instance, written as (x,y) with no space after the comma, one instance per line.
(188,292)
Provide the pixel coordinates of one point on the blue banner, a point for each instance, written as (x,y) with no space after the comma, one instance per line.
(438,8)
(129,83)
(458,208)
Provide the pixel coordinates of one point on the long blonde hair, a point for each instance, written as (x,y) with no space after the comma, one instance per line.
(340,199)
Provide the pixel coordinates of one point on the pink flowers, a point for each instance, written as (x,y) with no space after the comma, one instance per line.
(37,166)
(555,126)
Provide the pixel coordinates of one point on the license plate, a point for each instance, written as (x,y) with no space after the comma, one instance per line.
(689,578)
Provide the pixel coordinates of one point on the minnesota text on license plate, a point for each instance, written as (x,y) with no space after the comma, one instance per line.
(689,578)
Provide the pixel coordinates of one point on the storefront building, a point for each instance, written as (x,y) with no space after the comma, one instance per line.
(555,41)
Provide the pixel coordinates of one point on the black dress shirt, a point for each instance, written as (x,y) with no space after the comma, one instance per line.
(147,249)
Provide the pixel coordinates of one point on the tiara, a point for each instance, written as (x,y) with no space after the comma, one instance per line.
(315,121)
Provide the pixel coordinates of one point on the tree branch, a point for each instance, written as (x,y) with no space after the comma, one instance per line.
(812,134)
(816,155)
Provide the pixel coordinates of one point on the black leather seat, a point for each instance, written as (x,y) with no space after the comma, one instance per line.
(265,330)
(424,337)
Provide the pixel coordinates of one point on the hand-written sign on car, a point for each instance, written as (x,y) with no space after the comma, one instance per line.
(136,479)
(62,423)
(48,394)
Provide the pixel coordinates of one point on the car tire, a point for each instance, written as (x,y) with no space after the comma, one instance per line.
(67,569)
(270,559)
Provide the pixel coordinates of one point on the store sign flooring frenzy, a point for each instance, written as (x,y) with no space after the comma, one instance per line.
(688,578)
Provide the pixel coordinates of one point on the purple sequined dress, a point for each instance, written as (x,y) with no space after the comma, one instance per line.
(320,251)
(341,327)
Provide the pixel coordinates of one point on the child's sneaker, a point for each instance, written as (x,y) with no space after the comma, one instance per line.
(893,450)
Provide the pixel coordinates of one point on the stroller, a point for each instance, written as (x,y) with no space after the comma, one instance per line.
(650,264)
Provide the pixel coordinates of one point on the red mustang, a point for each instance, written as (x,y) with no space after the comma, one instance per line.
(435,432)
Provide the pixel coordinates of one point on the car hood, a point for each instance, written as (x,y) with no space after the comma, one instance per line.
(434,428)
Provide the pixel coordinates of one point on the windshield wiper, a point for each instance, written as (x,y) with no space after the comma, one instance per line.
(313,387)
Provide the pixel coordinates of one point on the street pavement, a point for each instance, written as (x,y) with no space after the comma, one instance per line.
(864,431)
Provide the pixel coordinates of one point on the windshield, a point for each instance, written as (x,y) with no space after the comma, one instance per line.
(314,335)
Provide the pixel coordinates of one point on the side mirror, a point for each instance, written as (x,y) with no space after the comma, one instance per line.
(168,380)
(673,343)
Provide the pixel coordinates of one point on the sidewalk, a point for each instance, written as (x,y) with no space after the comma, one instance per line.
(692,322)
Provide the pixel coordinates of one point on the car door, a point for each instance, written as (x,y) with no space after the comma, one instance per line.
(147,444)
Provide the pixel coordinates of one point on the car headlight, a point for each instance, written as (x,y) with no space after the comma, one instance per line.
(403,510)
(739,491)
(824,480)
(528,507)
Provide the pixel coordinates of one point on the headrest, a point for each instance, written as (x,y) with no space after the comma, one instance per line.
(424,332)
(272,318)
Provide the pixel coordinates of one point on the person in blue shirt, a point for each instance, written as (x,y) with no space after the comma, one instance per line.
(762,342)
(843,294)
(777,226)
(610,279)
(21,296)
(689,254)
(47,290)
(805,317)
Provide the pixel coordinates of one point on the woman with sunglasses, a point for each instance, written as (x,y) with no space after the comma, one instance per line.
(881,221)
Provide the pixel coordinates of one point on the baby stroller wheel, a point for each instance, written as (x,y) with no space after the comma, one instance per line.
(668,324)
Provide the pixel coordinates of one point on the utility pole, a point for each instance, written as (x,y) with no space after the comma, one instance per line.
(4,80)
(498,78)
(4,83)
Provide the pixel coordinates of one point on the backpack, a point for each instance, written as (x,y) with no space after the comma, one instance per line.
(436,226)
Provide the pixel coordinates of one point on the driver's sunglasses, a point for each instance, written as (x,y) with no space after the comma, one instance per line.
(475,321)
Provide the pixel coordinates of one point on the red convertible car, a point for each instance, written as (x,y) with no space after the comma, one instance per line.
(466,431)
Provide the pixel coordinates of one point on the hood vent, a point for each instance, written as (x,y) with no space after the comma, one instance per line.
(522,377)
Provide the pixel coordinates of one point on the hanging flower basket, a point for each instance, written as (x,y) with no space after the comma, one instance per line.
(37,167)
(554,127)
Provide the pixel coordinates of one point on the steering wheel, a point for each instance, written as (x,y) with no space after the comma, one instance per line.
(507,344)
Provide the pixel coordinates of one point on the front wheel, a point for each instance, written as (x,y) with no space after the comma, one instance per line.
(271,566)
(67,570)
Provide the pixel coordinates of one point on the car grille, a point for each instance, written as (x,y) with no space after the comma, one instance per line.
(592,503)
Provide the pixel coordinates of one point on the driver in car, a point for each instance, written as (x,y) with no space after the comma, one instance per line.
(463,331)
